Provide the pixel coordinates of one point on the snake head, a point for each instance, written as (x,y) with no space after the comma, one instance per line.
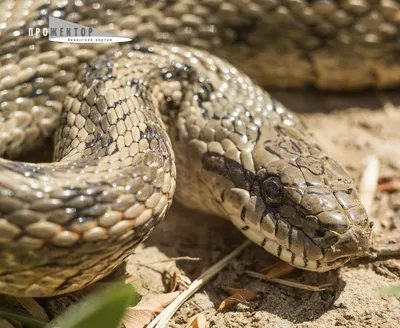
(305,210)
(317,210)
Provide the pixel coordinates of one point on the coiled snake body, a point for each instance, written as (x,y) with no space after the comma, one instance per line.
(238,153)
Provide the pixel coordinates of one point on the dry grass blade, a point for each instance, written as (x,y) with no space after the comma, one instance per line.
(369,182)
(387,249)
(238,295)
(34,308)
(289,283)
(162,319)
(198,321)
(171,259)
(140,316)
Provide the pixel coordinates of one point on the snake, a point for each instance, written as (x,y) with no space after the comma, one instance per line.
(179,112)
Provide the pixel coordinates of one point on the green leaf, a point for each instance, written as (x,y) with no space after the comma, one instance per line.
(136,297)
(103,309)
(393,290)
(26,320)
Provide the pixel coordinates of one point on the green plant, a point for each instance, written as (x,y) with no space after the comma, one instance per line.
(102,309)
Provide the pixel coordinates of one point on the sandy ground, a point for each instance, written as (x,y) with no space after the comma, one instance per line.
(350,133)
(351,127)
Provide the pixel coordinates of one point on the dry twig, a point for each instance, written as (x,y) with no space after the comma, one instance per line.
(288,282)
(162,319)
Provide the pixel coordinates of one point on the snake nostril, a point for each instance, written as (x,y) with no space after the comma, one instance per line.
(325,238)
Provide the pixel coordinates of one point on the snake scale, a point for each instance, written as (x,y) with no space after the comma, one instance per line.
(133,121)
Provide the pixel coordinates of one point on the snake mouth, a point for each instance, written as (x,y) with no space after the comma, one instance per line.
(352,244)
(297,260)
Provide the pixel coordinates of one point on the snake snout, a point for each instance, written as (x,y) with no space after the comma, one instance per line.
(343,233)
(353,243)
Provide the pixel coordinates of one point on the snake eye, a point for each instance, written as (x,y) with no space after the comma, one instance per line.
(271,189)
